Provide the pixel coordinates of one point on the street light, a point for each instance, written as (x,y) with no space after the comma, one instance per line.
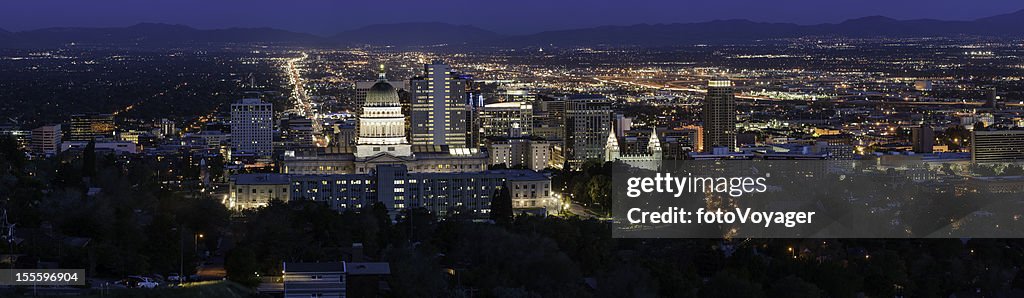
(197,237)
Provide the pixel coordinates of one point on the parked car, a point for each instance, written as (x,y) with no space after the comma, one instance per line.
(139,282)
(174,277)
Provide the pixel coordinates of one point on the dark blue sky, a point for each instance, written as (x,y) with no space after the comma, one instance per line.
(511,16)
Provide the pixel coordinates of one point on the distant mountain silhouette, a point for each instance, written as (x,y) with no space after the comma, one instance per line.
(405,34)
(739,30)
(150,34)
(426,34)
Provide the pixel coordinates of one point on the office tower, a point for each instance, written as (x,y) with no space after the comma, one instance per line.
(997,146)
(86,127)
(549,118)
(252,128)
(682,140)
(922,139)
(46,140)
(381,123)
(839,146)
(297,130)
(507,119)
(622,124)
(588,119)
(438,112)
(991,98)
(344,135)
(167,128)
(474,124)
(719,115)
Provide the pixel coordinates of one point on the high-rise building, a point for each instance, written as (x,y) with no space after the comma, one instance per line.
(922,139)
(622,124)
(588,119)
(252,128)
(438,107)
(991,98)
(474,125)
(167,128)
(507,119)
(46,140)
(381,123)
(86,127)
(344,135)
(549,118)
(997,146)
(838,146)
(719,115)
(297,130)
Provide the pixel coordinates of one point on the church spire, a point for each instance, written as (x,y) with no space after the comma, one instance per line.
(653,144)
(611,147)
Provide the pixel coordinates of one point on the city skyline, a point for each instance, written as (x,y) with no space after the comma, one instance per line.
(332,17)
(877,157)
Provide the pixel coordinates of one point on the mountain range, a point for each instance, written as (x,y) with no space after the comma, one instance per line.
(427,34)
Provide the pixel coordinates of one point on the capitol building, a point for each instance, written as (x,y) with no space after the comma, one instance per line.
(384,167)
(381,140)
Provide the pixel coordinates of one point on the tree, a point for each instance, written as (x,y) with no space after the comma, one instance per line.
(241,266)
(792,286)
(501,205)
(599,189)
(726,284)
(89,159)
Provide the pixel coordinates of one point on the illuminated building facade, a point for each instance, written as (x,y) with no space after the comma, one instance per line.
(252,128)
(719,116)
(86,127)
(438,108)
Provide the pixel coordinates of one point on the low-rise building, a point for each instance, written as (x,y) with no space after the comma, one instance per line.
(398,189)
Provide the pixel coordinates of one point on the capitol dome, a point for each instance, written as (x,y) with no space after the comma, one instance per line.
(382,94)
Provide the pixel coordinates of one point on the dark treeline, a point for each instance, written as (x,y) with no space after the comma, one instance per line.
(106,214)
(541,257)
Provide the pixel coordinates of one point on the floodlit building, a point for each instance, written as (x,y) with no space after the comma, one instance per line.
(528,153)
(257,190)
(649,159)
(46,140)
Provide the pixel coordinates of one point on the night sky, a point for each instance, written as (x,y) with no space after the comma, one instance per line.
(518,16)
